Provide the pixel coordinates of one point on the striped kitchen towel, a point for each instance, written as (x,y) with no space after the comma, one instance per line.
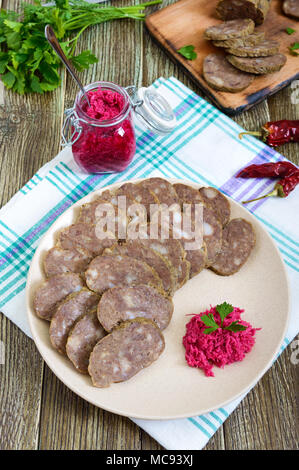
(203,148)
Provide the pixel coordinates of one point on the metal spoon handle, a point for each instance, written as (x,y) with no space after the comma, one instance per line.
(53,41)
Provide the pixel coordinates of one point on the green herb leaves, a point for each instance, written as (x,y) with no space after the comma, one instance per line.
(84,60)
(209,320)
(290,30)
(27,61)
(293,48)
(223,310)
(188,52)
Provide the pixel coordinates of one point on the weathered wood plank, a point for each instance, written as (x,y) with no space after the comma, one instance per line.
(68,422)
(20,391)
(29,136)
(268,416)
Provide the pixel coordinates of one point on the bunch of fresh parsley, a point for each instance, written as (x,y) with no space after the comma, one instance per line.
(27,61)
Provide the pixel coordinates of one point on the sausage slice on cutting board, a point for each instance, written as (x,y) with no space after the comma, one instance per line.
(230,29)
(222,76)
(258,65)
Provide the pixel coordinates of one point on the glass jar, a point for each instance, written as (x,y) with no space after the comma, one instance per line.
(108,146)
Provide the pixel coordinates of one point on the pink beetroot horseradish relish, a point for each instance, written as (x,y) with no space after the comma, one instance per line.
(107,142)
(219,348)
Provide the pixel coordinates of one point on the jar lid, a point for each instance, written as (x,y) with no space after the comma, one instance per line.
(155,111)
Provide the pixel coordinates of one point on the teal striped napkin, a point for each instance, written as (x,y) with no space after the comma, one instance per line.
(204,148)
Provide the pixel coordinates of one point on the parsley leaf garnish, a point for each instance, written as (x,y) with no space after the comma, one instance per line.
(290,30)
(188,52)
(224,310)
(209,320)
(293,48)
(235,326)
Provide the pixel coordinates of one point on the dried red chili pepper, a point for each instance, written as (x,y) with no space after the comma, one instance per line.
(268,170)
(276,133)
(282,188)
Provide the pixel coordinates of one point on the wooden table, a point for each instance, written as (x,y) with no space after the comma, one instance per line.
(37,410)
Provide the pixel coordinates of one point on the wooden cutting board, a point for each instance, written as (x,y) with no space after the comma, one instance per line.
(184,22)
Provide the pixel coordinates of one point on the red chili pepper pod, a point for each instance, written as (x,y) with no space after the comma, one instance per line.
(276,133)
(268,170)
(282,188)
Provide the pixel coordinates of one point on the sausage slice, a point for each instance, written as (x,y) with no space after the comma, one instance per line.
(217,202)
(187,194)
(258,65)
(212,234)
(82,235)
(94,211)
(106,271)
(251,40)
(67,313)
(58,261)
(54,290)
(138,193)
(263,49)
(221,75)
(162,189)
(173,251)
(291,8)
(136,249)
(237,243)
(131,347)
(230,29)
(126,303)
(83,337)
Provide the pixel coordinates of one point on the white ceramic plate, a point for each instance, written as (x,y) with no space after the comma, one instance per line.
(169,389)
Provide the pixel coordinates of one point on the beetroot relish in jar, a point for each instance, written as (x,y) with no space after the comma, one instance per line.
(106,142)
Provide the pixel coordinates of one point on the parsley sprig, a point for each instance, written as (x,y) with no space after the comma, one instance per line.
(188,52)
(27,61)
(293,48)
(224,310)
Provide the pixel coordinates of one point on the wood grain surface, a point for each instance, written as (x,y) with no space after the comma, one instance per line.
(37,411)
(184,23)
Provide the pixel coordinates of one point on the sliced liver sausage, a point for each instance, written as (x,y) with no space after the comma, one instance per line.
(67,313)
(258,65)
(82,339)
(131,347)
(106,271)
(238,241)
(54,290)
(217,202)
(222,76)
(126,303)
(230,29)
